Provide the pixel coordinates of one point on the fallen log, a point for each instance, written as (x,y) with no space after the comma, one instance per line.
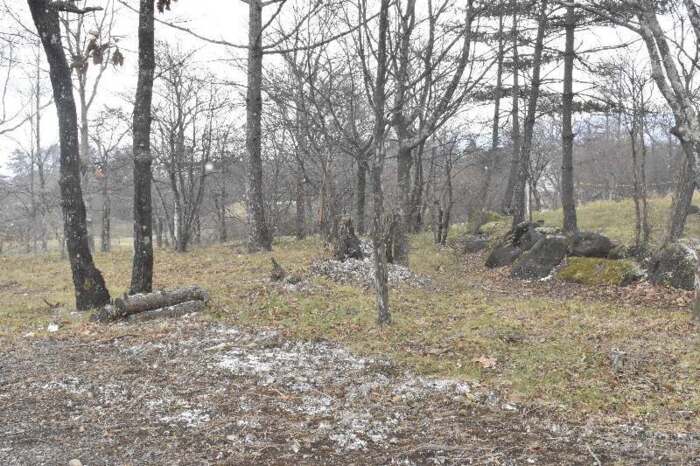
(127,306)
(177,310)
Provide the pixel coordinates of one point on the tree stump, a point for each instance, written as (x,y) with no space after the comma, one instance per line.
(345,243)
(278,273)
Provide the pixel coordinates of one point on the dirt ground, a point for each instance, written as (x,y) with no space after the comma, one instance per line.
(190,391)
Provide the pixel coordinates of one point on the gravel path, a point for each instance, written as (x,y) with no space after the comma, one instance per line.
(189,392)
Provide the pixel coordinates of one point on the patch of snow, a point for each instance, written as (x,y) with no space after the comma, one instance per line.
(190,417)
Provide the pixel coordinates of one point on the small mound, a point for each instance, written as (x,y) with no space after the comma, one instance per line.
(361,271)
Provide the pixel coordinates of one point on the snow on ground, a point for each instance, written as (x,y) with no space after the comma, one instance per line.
(191,392)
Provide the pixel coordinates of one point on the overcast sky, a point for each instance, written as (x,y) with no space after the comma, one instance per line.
(215,19)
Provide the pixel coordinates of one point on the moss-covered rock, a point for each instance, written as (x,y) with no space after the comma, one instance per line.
(495,229)
(598,271)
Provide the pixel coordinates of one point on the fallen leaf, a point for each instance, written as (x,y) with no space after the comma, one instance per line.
(486,362)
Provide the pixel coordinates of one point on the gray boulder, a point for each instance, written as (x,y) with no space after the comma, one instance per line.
(503,255)
(469,244)
(525,235)
(674,265)
(540,261)
(589,244)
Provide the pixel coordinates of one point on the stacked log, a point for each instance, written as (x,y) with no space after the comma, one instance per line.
(148,306)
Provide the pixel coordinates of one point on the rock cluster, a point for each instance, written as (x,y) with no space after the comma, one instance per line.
(361,271)
(534,251)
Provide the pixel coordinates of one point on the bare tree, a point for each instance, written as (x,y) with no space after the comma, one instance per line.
(568,199)
(187,115)
(142,269)
(89,43)
(520,197)
(90,288)
(107,138)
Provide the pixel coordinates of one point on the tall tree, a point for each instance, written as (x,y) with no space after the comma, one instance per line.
(142,270)
(568,200)
(520,197)
(90,288)
(260,234)
(507,203)
(423,104)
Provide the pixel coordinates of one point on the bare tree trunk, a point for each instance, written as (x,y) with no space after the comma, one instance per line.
(300,225)
(106,237)
(85,155)
(682,194)
(400,242)
(568,199)
(482,200)
(260,235)
(381,277)
(645,227)
(142,271)
(90,288)
(447,212)
(507,203)
(519,195)
(437,221)
(415,215)
(361,194)
(635,185)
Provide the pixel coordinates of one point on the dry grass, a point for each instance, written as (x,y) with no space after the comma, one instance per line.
(550,352)
(616,218)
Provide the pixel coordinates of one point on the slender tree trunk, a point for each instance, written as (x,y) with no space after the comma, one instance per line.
(400,243)
(142,271)
(381,277)
(106,237)
(300,219)
(635,185)
(40,160)
(84,129)
(260,235)
(449,202)
(645,227)
(90,288)
(683,193)
(568,199)
(220,203)
(507,204)
(415,214)
(159,232)
(361,194)
(482,200)
(519,196)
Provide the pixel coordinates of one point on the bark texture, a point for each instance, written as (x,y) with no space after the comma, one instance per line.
(90,288)
(507,203)
(568,200)
(260,235)
(381,274)
(142,271)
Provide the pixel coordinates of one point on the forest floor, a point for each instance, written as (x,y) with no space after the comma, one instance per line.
(476,367)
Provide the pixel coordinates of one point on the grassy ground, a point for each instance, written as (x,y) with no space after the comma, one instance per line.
(550,352)
(616,218)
